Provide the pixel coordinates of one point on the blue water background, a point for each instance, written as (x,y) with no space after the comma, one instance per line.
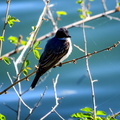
(73,84)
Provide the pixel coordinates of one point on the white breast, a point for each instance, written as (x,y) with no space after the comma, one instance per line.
(69,51)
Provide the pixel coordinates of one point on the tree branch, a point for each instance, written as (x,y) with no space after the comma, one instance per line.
(5,23)
(34,33)
(56,98)
(67,26)
(73,60)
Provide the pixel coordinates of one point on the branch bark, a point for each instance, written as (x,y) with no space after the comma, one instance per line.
(73,60)
(67,26)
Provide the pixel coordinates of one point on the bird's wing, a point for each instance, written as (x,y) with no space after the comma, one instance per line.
(50,57)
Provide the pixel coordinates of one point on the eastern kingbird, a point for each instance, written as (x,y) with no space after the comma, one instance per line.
(56,50)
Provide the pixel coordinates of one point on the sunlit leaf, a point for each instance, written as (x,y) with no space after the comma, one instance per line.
(36,44)
(87,115)
(6,60)
(38,48)
(100,118)
(25,72)
(11,20)
(100,113)
(82,16)
(61,13)
(87,109)
(118,3)
(79,10)
(88,12)
(79,1)
(1,38)
(36,54)
(13,39)
(28,38)
(28,68)
(26,63)
(33,28)
(23,42)
(2,117)
(77,115)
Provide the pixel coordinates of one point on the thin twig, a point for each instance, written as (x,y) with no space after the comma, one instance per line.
(18,93)
(34,33)
(38,103)
(5,23)
(79,48)
(56,98)
(73,60)
(50,16)
(89,74)
(104,5)
(10,107)
(67,26)
(59,115)
(105,10)
(4,91)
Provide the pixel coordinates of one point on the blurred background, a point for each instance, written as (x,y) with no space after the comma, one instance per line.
(73,84)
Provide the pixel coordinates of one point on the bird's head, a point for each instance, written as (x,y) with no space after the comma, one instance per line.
(62,33)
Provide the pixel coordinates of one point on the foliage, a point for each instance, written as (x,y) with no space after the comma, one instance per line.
(11,20)
(2,117)
(35,50)
(61,13)
(26,68)
(118,3)
(13,39)
(1,38)
(84,11)
(87,114)
(6,60)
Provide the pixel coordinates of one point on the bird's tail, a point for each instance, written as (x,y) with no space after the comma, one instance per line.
(35,80)
(39,73)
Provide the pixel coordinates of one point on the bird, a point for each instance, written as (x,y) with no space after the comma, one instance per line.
(56,50)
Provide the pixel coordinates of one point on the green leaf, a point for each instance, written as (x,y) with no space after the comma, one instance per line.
(99,118)
(2,117)
(1,38)
(118,3)
(36,54)
(36,44)
(109,118)
(26,63)
(33,28)
(87,109)
(25,72)
(82,115)
(88,12)
(38,48)
(28,68)
(100,113)
(77,115)
(82,16)
(79,1)
(23,42)
(87,115)
(91,0)
(61,13)
(11,20)
(28,38)
(79,10)
(6,60)
(13,39)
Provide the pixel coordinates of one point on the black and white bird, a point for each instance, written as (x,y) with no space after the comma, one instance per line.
(56,50)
